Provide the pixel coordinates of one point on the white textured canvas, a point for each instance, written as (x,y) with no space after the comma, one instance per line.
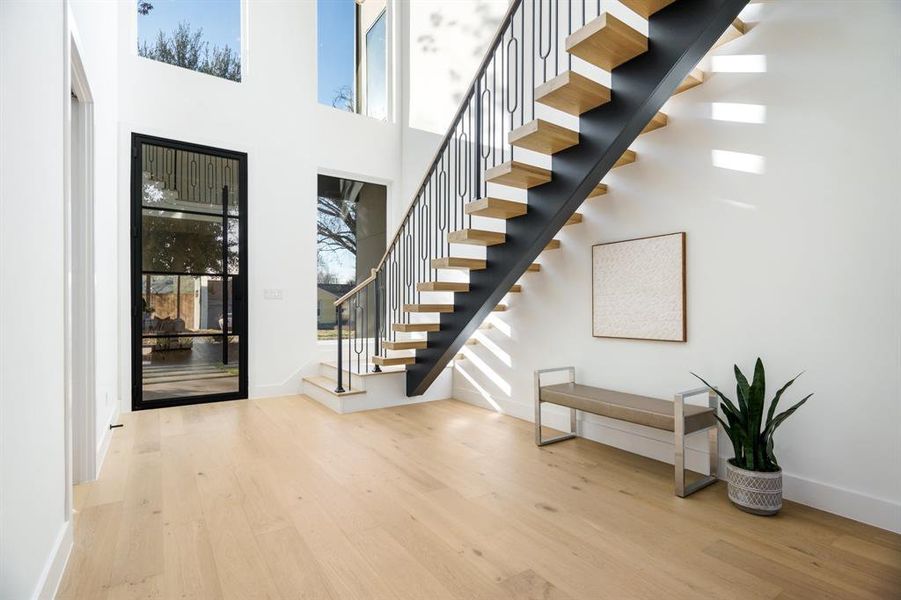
(638,288)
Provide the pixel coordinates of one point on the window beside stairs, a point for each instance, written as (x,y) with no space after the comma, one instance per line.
(351,240)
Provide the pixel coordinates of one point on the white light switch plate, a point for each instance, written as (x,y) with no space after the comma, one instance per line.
(272,294)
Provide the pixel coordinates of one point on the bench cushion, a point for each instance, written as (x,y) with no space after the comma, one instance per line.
(651,412)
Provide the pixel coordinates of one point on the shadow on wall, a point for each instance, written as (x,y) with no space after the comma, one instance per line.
(448,40)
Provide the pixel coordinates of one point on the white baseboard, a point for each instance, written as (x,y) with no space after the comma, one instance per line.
(879,512)
(52,574)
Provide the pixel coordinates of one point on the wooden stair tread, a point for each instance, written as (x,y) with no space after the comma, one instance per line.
(472,342)
(391,361)
(415,327)
(428,308)
(628,157)
(606,42)
(552,245)
(695,78)
(452,262)
(495,208)
(517,174)
(575,219)
(499,308)
(515,289)
(659,120)
(534,267)
(646,8)
(476,237)
(572,93)
(543,136)
(737,29)
(599,190)
(442,286)
(486,326)
(405,344)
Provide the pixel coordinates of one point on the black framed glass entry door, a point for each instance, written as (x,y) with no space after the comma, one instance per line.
(189,249)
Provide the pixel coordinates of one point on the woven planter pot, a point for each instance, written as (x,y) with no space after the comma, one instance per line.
(754,491)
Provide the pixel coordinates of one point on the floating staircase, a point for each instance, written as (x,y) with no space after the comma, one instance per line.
(481,150)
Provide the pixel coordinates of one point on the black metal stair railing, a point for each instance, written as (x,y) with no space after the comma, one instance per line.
(528,50)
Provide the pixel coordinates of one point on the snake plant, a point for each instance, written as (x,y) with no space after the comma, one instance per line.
(751,436)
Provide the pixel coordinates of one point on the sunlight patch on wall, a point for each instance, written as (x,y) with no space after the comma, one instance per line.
(738,161)
(492,347)
(490,373)
(739,63)
(737,204)
(738,112)
(481,390)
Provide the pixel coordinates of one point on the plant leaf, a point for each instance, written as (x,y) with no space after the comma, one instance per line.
(742,389)
(756,396)
(725,400)
(776,422)
(775,402)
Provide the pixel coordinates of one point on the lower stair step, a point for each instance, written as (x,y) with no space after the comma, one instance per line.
(552,245)
(534,268)
(404,344)
(386,361)
(428,308)
(659,120)
(495,208)
(465,264)
(696,77)
(442,286)
(476,237)
(517,174)
(543,137)
(415,327)
(628,157)
(329,385)
(499,308)
(515,289)
(572,93)
(575,219)
(599,190)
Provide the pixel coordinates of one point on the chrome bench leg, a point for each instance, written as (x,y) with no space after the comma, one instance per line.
(682,490)
(572,413)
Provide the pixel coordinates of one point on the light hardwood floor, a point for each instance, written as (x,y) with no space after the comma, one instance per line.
(280,498)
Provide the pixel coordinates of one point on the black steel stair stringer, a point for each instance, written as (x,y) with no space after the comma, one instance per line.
(679,36)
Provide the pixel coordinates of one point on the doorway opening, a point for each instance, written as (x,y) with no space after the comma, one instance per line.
(189,273)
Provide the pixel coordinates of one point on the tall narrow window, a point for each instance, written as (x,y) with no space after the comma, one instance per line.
(351,236)
(201,35)
(376,59)
(352,56)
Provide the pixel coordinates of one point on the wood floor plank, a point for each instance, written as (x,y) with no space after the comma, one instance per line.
(282,498)
(293,566)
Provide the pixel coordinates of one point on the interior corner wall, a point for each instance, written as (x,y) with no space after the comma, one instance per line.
(799,263)
(33,100)
(95,25)
(274,116)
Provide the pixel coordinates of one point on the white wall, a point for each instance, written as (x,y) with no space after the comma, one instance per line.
(798,264)
(94,25)
(33,100)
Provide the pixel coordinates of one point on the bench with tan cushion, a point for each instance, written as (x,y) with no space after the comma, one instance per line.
(680,418)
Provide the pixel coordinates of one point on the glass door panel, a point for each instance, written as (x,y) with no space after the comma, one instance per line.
(188,251)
